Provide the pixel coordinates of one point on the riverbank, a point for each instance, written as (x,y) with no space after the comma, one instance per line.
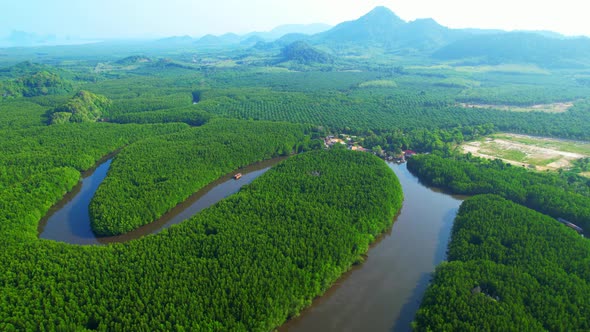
(69,220)
(384,293)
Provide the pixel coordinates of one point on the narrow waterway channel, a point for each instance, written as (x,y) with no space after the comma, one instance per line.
(384,293)
(69,220)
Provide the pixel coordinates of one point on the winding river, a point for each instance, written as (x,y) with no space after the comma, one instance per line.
(382,294)
(69,220)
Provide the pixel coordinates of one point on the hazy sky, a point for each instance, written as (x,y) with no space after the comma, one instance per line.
(147,18)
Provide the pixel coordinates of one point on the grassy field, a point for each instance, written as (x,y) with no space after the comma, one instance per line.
(580,147)
(529,151)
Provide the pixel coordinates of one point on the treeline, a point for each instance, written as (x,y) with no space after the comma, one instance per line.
(152,176)
(522,95)
(510,269)
(424,140)
(189,115)
(565,197)
(246,264)
(581,165)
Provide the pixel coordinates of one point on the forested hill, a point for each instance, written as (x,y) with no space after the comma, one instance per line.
(520,47)
(84,106)
(381,27)
(302,52)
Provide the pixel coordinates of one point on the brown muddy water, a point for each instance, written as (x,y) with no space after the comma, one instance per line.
(69,220)
(384,293)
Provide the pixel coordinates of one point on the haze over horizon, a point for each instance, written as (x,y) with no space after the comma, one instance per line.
(113,19)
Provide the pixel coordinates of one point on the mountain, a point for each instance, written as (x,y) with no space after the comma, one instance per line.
(175,41)
(519,47)
(223,40)
(303,53)
(134,59)
(382,28)
(474,31)
(425,34)
(374,27)
(282,42)
(282,30)
(252,41)
(254,38)
(545,33)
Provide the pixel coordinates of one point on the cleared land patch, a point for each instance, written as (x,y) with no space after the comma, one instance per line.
(546,108)
(529,151)
(378,84)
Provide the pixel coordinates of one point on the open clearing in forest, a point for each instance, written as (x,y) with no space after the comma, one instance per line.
(528,151)
(546,108)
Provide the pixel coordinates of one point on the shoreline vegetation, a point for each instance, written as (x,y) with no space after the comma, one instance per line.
(76,229)
(246,245)
(149,178)
(548,193)
(503,255)
(505,264)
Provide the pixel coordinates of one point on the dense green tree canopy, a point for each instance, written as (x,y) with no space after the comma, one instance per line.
(84,106)
(183,118)
(558,196)
(248,263)
(150,177)
(510,268)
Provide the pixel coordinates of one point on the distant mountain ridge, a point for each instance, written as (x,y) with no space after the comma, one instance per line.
(269,36)
(375,26)
(522,47)
(381,30)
